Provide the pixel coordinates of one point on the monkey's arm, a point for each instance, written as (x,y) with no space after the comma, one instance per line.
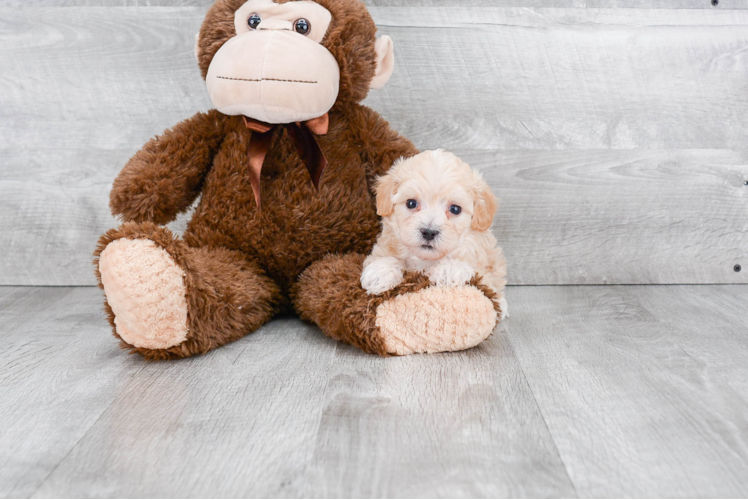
(165,177)
(380,145)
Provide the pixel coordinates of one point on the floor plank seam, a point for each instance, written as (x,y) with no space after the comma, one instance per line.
(540,411)
(319,421)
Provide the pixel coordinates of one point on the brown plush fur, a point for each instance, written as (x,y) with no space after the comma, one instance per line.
(329,294)
(227,295)
(241,264)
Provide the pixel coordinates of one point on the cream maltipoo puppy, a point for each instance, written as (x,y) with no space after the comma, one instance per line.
(436,214)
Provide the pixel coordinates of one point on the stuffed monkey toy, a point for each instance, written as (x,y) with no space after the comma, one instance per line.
(285,168)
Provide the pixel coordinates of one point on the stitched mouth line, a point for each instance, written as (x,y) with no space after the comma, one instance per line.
(264,79)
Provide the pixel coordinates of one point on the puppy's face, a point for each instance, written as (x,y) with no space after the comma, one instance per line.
(431,200)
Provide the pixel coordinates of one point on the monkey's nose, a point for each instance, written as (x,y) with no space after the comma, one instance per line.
(428,233)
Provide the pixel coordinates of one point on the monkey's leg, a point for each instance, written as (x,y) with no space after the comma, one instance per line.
(415,317)
(165,299)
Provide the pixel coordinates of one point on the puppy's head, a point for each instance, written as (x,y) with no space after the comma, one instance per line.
(431,200)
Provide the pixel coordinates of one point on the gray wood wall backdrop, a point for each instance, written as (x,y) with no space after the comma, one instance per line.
(615,134)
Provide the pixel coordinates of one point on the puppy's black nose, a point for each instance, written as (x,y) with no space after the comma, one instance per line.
(428,233)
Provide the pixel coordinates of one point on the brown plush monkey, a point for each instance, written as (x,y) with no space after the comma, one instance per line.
(286,78)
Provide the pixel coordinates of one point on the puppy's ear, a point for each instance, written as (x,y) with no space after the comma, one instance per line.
(386,188)
(484,208)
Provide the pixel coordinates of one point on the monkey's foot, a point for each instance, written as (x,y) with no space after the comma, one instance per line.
(145,290)
(413,317)
(436,319)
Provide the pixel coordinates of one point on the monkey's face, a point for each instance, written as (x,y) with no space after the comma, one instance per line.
(275,68)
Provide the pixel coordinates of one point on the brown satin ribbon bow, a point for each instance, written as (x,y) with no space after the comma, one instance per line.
(301,133)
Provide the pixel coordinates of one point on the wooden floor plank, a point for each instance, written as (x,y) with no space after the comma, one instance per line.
(566,217)
(507,77)
(589,391)
(644,389)
(452,425)
(566,78)
(60,370)
(569,4)
(286,412)
(619,217)
(239,421)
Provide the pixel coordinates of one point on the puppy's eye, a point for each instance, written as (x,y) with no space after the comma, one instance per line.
(411,204)
(302,26)
(254,21)
(455,209)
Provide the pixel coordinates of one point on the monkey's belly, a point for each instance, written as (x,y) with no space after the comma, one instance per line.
(296,226)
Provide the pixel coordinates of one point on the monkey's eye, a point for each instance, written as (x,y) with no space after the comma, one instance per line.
(455,209)
(254,21)
(302,26)
(411,204)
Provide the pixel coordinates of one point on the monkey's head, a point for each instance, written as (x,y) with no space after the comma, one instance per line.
(281,61)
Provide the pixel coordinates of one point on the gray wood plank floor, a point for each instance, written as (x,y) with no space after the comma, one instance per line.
(585,391)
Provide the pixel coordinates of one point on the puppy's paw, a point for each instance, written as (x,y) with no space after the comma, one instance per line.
(451,272)
(381,275)
(504,308)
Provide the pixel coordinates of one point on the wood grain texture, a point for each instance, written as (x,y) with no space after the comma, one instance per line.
(452,425)
(605,216)
(579,4)
(644,389)
(239,421)
(589,391)
(288,412)
(611,216)
(547,90)
(524,78)
(567,78)
(60,371)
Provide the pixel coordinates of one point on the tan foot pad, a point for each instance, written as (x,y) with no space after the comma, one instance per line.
(145,289)
(436,319)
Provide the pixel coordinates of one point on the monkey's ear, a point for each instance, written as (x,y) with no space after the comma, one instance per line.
(386,188)
(197,46)
(484,209)
(385,61)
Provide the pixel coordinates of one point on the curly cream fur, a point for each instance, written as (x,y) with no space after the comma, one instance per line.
(436,181)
